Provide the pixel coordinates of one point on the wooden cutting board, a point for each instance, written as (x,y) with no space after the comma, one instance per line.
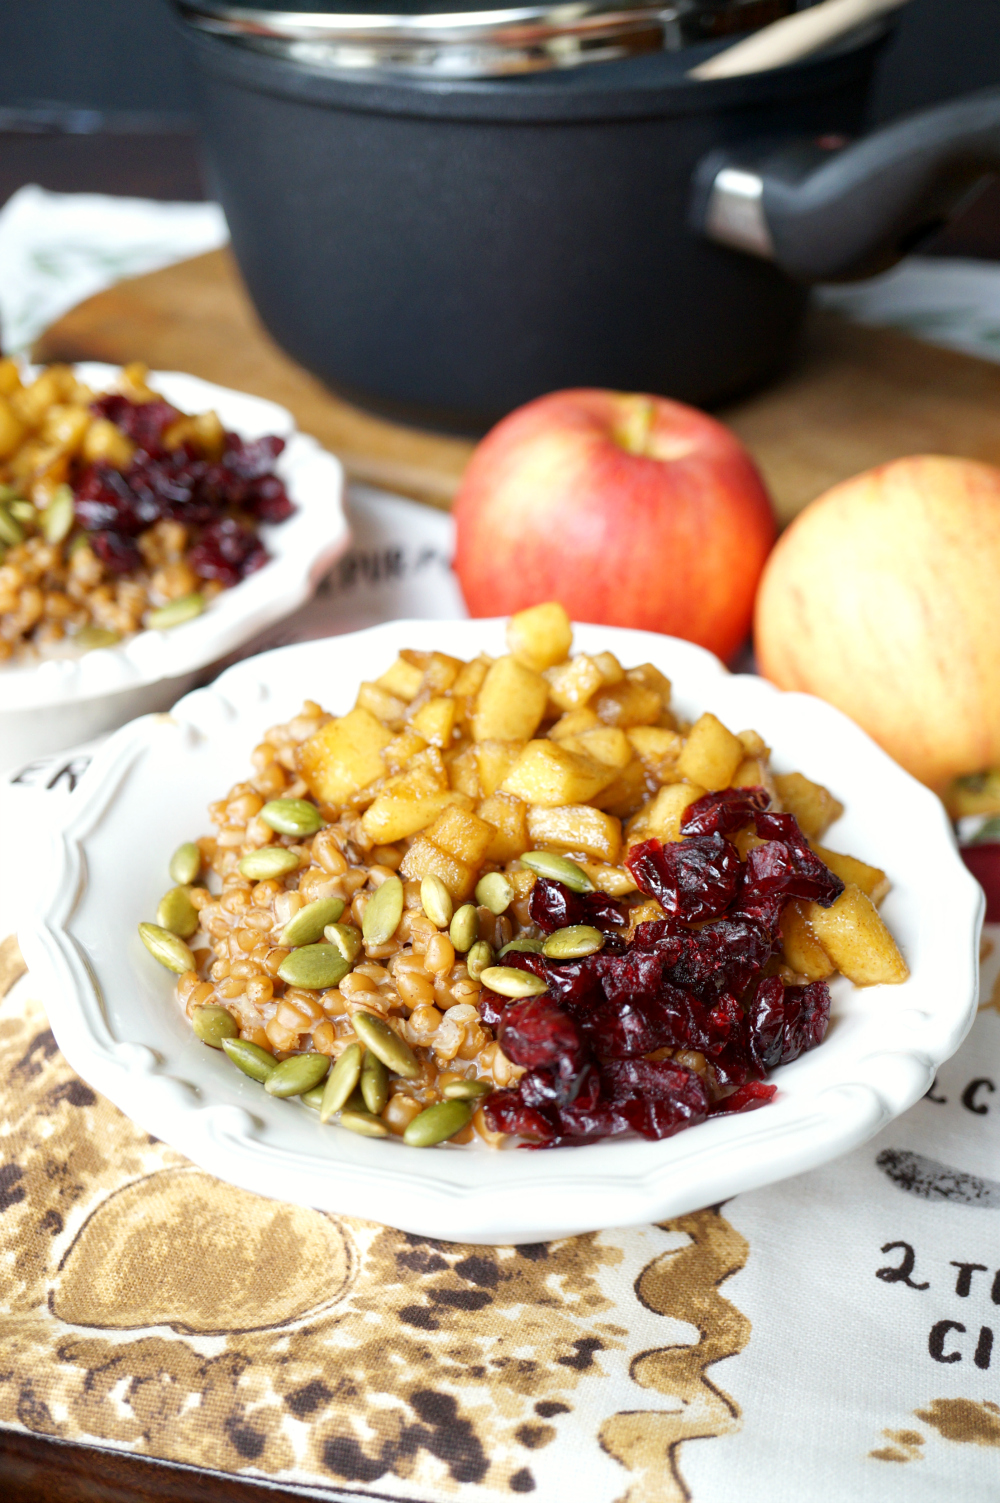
(854,397)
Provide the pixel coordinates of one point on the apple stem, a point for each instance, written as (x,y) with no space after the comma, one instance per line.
(635,424)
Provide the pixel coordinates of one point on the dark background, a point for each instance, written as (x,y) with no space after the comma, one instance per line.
(94,96)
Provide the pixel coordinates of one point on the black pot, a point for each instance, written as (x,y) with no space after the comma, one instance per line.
(442,252)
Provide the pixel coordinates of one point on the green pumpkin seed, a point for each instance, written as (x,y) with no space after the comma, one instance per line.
(557,869)
(297,1073)
(90,638)
(177,913)
(573,942)
(314,967)
(268,861)
(308,924)
(250,1058)
(394,1052)
(292,816)
(58,517)
(363,1123)
(313,1098)
(374,1083)
(169,949)
(346,938)
(436,901)
(213,1024)
(11,531)
(24,511)
(437,1123)
(521,947)
(494,892)
(341,1082)
(509,982)
(464,928)
(478,958)
(383,912)
(176,612)
(467,1090)
(185,864)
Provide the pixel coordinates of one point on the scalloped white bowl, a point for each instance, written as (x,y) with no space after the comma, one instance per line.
(62,702)
(113,1011)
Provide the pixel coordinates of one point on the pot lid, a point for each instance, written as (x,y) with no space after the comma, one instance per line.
(445,38)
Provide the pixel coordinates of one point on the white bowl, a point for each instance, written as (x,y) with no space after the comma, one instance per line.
(113,1011)
(57,703)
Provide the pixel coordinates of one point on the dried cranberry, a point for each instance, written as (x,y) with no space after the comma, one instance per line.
(268,500)
(765,1018)
(755,1093)
(506,1112)
(695,879)
(224,550)
(724,813)
(143,422)
(105,502)
(537,1034)
(552,905)
(807,1017)
(660,1097)
(491,1007)
(777,868)
(725,956)
(251,458)
(117,553)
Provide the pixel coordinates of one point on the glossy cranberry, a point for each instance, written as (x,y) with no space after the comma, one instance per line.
(224,550)
(807,1017)
(552,905)
(251,458)
(117,553)
(268,500)
(765,1018)
(505,1111)
(746,1099)
(693,879)
(105,502)
(725,956)
(724,813)
(780,868)
(537,1034)
(143,422)
(491,1007)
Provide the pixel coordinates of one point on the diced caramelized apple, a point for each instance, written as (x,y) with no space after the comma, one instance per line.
(463,772)
(402,749)
(606,744)
(801,949)
(753,744)
(426,773)
(463,834)
(509,817)
(495,760)
(575,723)
(425,859)
(403,680)
(814,806)
(857,941)
(577,827)
(343,757)
(435,721)
(616,881)
(541,636)
(651,678)
(628,704)
(383,705)
(393,816)
(511,703)
(610,669)
(873,882)
(658,750)
(711,754)
(660,819)
(471,676)
(441,672)
(546,773)
(626,794)
(571,684)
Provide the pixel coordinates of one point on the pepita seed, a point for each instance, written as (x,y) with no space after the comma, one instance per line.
(467,1090)
(169,949)
(464,928)
(185,864)
(437,1123)
(314,967)
(11,531)
(298,1073)
(383,913)
(393,1051)
(341,1082)
(213,1024)
(292,816)
(494,892)
(58,517)
(346,938)
(374,1083)
(177,913)
(250,1058)
(313,1098)
(90,638)
(557,869)
(509,982)
(436,901)
(478,958)
(24,511)
(268,861)
(521,947)
(573,942)
(176,612)
(308,924)
(364,1123)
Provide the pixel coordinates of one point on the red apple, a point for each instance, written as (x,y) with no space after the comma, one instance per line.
(630,510)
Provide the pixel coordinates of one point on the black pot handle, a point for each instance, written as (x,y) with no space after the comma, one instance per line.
(828,209)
